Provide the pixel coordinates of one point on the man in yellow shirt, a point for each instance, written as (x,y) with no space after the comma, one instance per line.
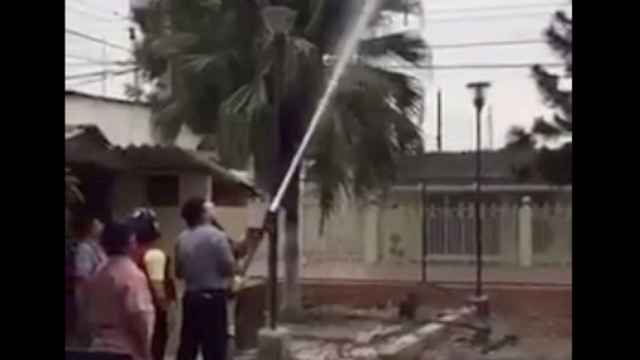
(156,266)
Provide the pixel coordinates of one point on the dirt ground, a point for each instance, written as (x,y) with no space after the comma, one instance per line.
(331,337)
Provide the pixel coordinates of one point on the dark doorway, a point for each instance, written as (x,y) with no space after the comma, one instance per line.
(96,185)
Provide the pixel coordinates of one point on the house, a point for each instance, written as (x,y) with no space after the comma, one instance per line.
(429,210)
(122,122)
(109,147)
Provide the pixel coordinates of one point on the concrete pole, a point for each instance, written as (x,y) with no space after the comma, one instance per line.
(525,233)
(370,234)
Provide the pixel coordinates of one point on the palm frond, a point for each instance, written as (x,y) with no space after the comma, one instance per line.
(400,90)
(519,138)
(546,129)
(173,44)
(329,167)
(217,61)
(406,46)
(167,121)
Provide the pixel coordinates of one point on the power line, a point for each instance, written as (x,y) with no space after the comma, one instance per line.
(106,63)
(86,82)
(98,73)
(102,10)
(490,17)
(92,60)
(497,7)
(488,43)
(95,39)
(94,16)
(473,66)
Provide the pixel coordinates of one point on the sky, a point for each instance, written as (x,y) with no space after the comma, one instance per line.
(513,96)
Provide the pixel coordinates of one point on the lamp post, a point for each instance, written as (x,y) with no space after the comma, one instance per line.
(279,20)
(480,300)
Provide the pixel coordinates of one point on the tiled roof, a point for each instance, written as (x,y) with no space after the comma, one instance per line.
(85,144)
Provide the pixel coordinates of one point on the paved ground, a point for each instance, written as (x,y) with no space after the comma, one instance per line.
(435,273)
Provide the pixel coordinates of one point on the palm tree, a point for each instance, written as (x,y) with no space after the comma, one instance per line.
(223,67)
(554,165)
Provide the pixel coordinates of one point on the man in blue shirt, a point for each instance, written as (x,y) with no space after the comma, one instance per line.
(204,260)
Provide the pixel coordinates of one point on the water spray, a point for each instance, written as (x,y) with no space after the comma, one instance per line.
(270,223)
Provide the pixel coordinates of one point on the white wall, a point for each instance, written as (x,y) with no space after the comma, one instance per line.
(347,236)
(123,123)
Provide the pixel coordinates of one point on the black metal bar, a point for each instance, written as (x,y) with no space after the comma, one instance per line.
(272,219)
(439,120)
(477,202)
(424,232)
(272,216)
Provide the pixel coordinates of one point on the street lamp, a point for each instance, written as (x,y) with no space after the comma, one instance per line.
(279,20)
(480,300)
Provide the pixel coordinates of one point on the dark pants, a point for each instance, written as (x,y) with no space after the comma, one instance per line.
(160,335)
(204,325)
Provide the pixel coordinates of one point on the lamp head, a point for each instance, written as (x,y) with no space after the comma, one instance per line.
(479,90)
(279,19)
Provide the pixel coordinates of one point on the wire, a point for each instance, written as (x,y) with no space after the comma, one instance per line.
(106,63)
(101,10)
(98,73)
(95,39)
(498,7)
(91,81)
(473,66)
(490,17)
(92,60)
(488,43)
(86,82)
(94,16)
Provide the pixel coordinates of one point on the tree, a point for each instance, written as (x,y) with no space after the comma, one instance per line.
(71,190)
(553,165)
(223,70)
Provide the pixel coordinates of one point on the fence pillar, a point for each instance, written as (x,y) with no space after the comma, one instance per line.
(508,232)
(282,233)
(370,234)
(525,233)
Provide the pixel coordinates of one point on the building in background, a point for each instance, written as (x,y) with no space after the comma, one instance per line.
(109,147)
(431,203)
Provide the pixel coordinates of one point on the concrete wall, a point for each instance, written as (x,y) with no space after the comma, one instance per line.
(400,224)
(392,231)
(123,123)
(342,234)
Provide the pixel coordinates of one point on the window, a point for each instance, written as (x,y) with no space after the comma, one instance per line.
(163,190)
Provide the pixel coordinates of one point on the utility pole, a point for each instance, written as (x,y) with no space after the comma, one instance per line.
(439,120)
(104,67)
(406,13)
(490,126)
(136,74)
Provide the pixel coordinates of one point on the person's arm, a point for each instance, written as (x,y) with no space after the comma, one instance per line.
(226,261)
(139,316)
(178,266)
(84,263)
(83,269)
